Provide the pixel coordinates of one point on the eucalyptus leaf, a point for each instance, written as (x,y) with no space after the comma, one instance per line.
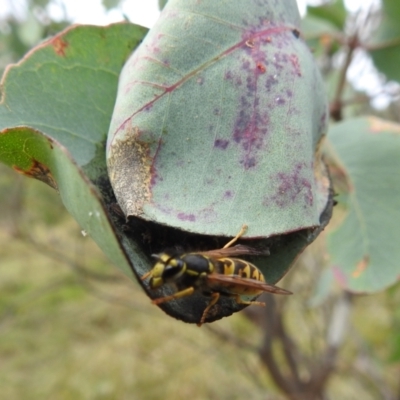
(333,12)
(161,4)
(45,159)
(54,113)
(384,46)
(217,122)
(364,246)
(321,36)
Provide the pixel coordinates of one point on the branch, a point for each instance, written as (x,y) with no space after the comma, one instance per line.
(290,385)
(289,350)
(63,258)
(336,105)
(336,334)
(383,45)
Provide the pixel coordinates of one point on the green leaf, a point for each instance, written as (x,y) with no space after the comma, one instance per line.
(364,248)
(217,120)
(320,35)
(45,159)
(313,27)
(109,4)
(161,4)
(391,8)
(66,87)
(63,93)
(385,43)
(333,12)
(322,26)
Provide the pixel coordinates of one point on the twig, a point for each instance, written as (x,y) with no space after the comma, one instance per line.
(63,258)
(290,385)
(336,104)
(289,349)
(382,45)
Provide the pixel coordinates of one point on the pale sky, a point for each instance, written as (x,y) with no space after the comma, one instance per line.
(145,12)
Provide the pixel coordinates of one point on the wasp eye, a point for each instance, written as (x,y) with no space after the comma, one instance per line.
(173,269)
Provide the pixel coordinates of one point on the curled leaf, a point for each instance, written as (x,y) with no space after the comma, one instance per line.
(217,122)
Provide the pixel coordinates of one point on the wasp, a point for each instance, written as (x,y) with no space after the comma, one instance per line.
(213,273)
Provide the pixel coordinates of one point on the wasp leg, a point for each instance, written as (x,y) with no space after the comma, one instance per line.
(242,231)
(214,299)
(177,295)
(239,300)
(146,275)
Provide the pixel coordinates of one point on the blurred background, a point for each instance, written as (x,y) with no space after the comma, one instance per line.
(73,327)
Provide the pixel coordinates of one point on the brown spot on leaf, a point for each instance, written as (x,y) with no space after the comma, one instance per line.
(361,267)
(129,169)
(295,63)
(40,172)
(59,46)
(261,68)
(326,40)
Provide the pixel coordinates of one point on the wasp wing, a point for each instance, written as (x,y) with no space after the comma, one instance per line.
(244,283)
(234,251)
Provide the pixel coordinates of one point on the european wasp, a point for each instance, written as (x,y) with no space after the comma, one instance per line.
(213,273)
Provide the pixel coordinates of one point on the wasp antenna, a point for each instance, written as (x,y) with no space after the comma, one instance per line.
(242,231)
(278,290)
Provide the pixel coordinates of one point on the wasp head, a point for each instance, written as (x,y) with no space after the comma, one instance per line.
(166,269)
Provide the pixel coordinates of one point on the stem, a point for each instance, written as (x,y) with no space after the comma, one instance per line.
(336,334)
(291,384)
(336,105)
(383,45)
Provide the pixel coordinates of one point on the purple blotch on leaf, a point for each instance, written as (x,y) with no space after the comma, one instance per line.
(249,162)
(290,186)
(186,217)
(221,144)
(228,194)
